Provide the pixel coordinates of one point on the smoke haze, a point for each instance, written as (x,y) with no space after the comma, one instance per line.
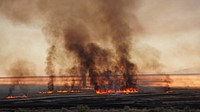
(71,29)
(93,37)
(20,68)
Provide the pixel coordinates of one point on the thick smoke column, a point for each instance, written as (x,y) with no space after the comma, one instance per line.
(50,68)
(92,58)
(82,29)
(115,14)
(89,55)
(73,34)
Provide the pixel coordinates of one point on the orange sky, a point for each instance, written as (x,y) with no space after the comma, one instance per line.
(176,81)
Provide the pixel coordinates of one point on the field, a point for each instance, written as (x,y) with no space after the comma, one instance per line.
(148,99)
(180,99)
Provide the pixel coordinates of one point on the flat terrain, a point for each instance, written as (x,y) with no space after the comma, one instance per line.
(179,99)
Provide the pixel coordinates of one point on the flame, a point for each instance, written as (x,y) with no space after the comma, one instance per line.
(75,91)
(105,92)
(61,91)
(48,92)
(11,97)
(169,91)
(24,96)
(65,91)
(126,91)
(130,90)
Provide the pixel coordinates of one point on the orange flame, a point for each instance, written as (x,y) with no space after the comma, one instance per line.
(130,90)
(169,91)
(126,91)
(11,97)
(75,91)
(65,91)
(48,92)
(61,91)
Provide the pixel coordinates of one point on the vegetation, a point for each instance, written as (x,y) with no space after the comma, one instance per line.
(85,108)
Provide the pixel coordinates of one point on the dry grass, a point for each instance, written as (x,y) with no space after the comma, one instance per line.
(84,108)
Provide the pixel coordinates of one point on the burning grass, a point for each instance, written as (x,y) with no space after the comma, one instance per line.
(70,91)
(141,100)
(47,92)
(126,91)
(60,91)
(169,91)
(14,97)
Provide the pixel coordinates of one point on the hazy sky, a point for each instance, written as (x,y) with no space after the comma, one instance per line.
(21,42)
(171,31)
(172,27)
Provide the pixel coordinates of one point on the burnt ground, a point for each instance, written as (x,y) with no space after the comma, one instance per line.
(179,99)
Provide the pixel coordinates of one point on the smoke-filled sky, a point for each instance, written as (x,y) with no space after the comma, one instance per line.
(164,34)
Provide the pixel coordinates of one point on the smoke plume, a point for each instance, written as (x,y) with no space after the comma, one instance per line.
(75,32)
(115,16)
(20,68)
(83,30)
(50,68)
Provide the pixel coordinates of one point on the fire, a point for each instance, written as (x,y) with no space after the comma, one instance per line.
(75,91)
(12,97)
(105,92)
(130,90)
(61,91)
(48,92)
(169,91)
(126,91)
(65,91)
